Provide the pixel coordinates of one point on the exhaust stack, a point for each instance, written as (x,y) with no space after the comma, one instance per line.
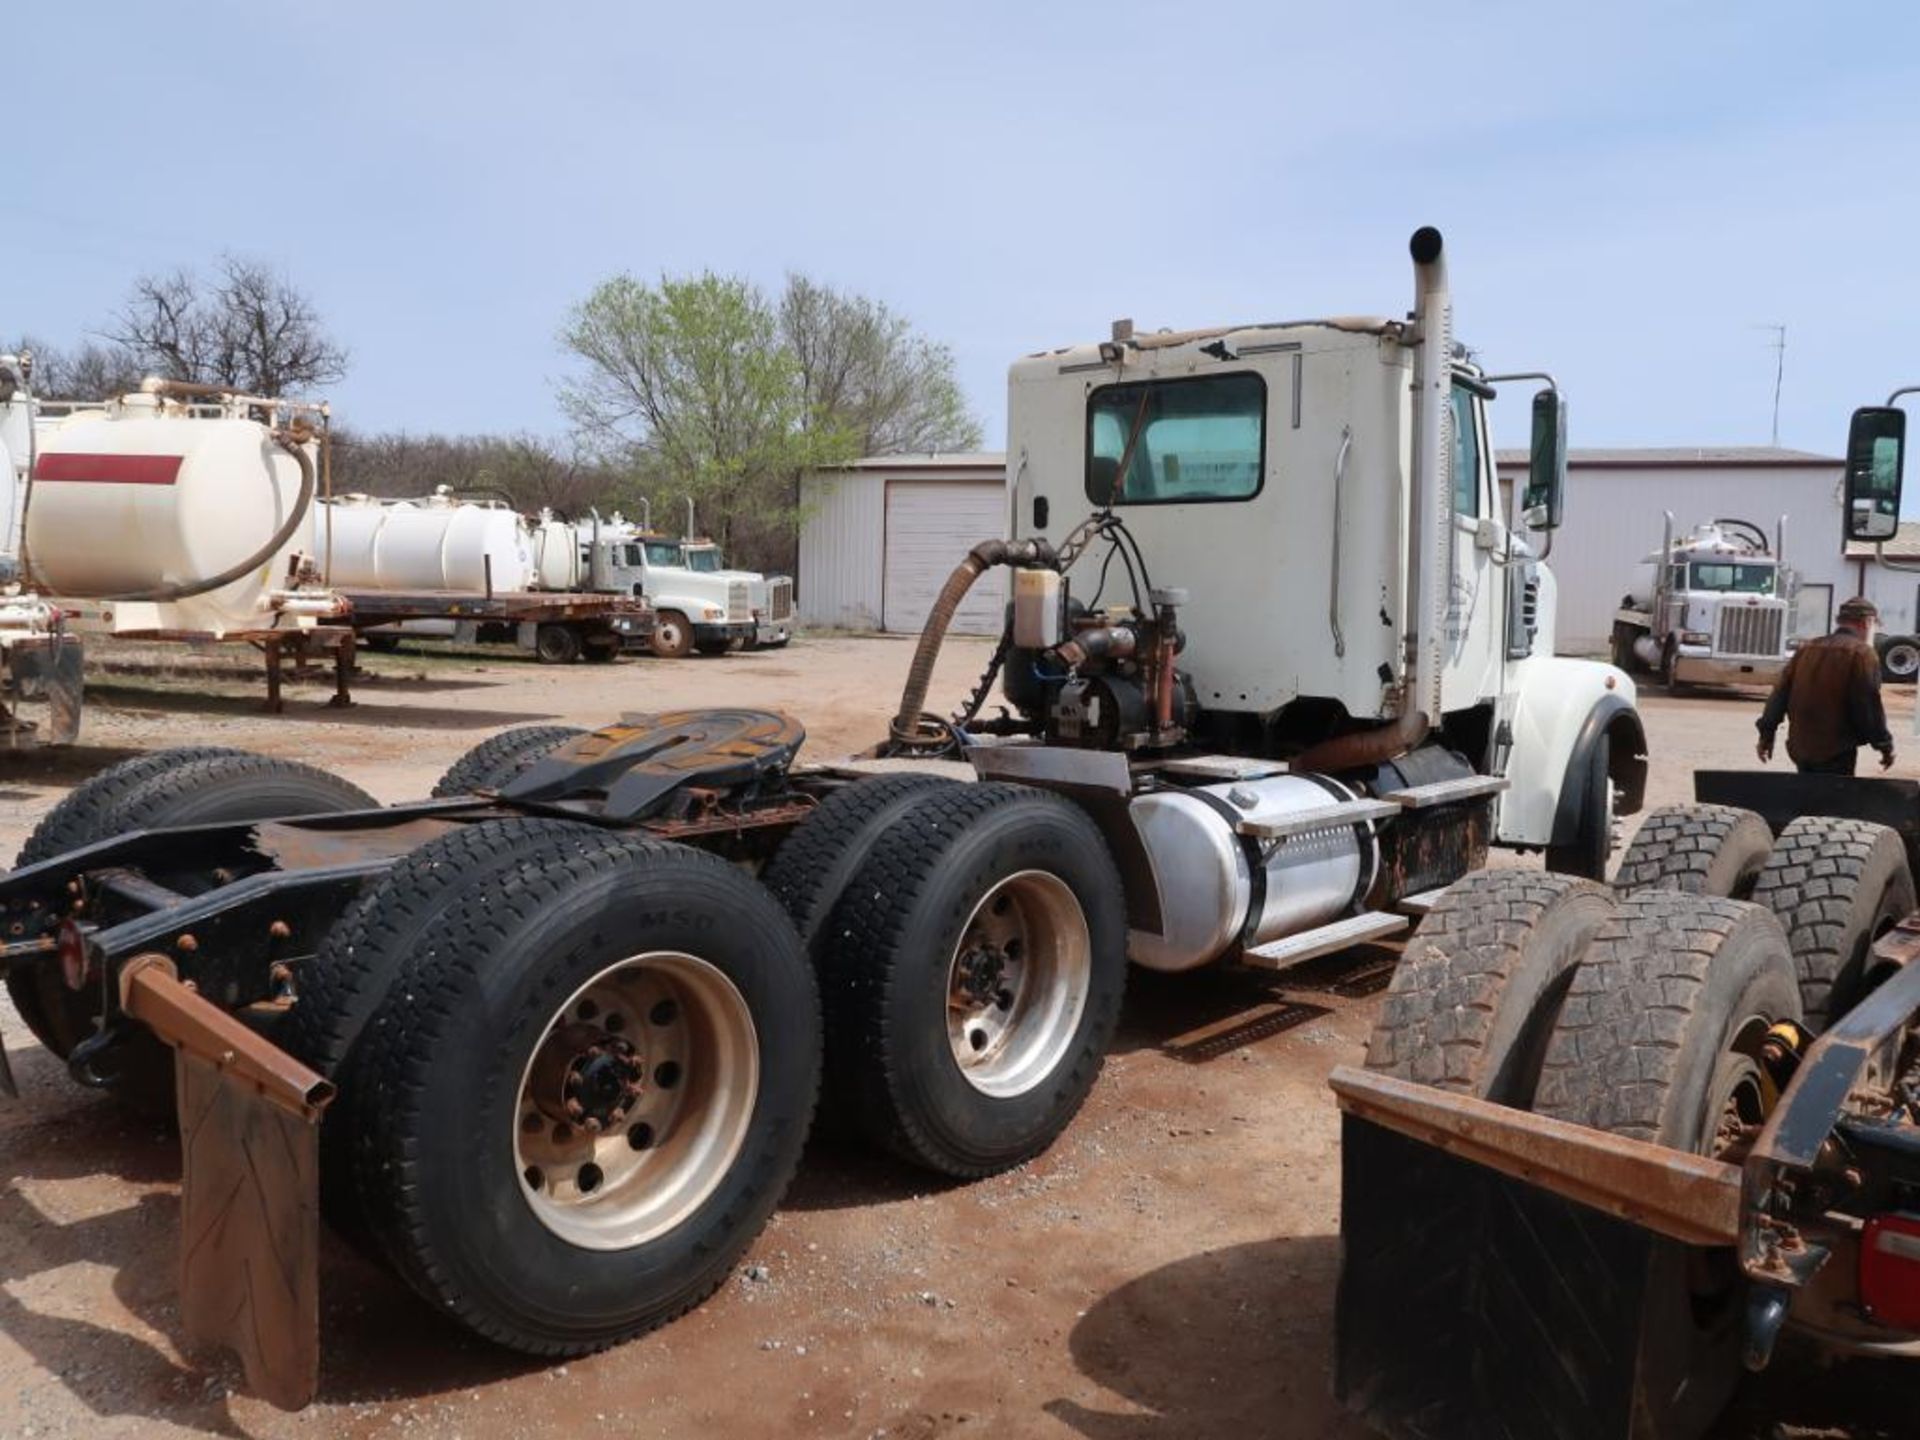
(1430,582)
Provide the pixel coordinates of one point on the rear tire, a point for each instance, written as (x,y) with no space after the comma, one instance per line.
(602,649)
(476,1197)
(503,758)
(672,635)
(1586,855)
(811,870)
(1480,985)
(225,786)
(975,977)
(1697,849)
(338,991)
(556,644)
(60,1018)
(1658,1040)
(1836,886)
(713,647)
(1623,637)
(1900,660)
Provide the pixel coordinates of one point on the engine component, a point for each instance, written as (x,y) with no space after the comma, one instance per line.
(1219,889)
(1039,608)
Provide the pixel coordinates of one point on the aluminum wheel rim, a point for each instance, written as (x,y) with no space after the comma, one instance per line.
(619,1172)
(1017,983)
(1903,660)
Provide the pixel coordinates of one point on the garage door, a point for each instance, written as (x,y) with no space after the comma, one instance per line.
(930,527)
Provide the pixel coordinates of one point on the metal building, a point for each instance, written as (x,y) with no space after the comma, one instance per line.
(879,537)
(1615,500)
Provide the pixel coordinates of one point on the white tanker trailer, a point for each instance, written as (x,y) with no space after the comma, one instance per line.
(40,664)
(444,567)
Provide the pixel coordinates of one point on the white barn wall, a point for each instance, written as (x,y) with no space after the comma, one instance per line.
(1613,521)
(843,559)
(843,532)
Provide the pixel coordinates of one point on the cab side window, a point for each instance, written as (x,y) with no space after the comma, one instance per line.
(1466,454)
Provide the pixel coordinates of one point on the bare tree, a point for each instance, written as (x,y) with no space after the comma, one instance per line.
(246,327)
(90,372)
(865,371)
(525,470)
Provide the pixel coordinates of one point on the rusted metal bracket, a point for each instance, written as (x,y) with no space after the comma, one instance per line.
(249,1190)
(1687,1197)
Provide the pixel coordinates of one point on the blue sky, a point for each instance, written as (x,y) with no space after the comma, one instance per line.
(1628,191)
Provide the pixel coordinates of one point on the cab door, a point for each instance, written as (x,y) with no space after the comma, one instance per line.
(1476,612)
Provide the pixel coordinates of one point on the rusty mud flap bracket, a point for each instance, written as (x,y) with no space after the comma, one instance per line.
(47,669)
(1494,1263)
(249,1190)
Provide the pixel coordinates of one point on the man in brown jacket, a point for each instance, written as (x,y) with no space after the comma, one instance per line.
(1829,695)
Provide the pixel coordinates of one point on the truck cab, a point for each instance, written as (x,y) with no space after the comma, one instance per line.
(1714,608)
(1340,591)
(709,609)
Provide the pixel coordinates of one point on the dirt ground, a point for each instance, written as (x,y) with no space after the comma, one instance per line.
(1166,1270)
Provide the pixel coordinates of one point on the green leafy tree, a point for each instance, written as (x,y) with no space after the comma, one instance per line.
(700,386)
(688,383)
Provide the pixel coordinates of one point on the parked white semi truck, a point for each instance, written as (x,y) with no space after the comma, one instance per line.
(698,603)
(1715,608)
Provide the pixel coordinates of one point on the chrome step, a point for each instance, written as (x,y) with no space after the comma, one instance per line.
(1216,767)
(1443,792)
(1321,817)
(1421,903)
(1354,930)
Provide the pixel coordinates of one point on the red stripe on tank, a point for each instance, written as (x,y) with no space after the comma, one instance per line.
(108,469)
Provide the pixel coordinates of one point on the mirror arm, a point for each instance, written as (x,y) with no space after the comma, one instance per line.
(1903,390)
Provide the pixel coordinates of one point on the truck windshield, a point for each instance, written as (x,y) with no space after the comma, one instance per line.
(1199,439)
(663,552)
(1726,575)
(704,559)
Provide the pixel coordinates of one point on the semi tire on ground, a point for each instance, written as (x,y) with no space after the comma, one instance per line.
(58,1017)
(1478,989)
(810,872)
(203,790)
(1623,637)
(595,1088)
(601,649)
(713,647)
(975,977)
(342,986)
(557,644)
(1587,853)
(1836,886)
(502,758)
(1697,849)
(672,635)
(1659,1039)
(1900,660)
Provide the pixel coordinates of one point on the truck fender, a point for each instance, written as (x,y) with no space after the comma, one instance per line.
(1563,708)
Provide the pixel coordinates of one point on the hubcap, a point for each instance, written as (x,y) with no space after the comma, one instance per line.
(635,1103)
(1017,983)
(1903,660)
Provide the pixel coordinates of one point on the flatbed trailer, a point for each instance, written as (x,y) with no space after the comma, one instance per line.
(558,626)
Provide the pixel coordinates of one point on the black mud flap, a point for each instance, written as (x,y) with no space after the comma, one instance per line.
(1473,1306)
(47,670)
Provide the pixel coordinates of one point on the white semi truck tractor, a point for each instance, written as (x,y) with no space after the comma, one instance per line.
(1276,672)
(1715,607)
(698,602)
